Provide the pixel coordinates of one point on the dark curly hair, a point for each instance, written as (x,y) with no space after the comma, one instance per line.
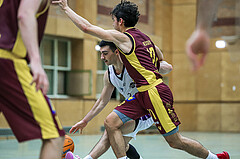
(128,11)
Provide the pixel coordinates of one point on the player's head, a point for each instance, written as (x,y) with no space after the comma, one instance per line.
(127,11)
(109,52)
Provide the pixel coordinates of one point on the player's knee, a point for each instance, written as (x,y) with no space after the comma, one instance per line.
(112,122)
(107,123)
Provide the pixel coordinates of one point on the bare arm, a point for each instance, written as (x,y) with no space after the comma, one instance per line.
(159,53)
(120,39)
(97,107)
(28,26)
(206,11)
(165,67)
(199,41)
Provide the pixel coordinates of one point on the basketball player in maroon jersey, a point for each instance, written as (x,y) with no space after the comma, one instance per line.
(139,57)
(22,93)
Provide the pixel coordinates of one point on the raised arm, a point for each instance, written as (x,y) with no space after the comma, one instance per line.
(199,41)
(28,27)
(120,39)
(97,107)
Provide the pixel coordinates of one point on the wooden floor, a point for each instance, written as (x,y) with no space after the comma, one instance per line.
(149,146)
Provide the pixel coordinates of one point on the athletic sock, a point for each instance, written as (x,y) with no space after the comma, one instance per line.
(211,155)
(88,157)
(132,153)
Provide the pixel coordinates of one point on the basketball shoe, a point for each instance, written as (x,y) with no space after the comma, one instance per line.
(223,155)
(70,155)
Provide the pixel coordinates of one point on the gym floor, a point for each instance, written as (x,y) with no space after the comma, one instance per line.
(149,146)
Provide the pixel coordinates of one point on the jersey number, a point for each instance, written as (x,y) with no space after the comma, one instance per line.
(153,55)
(1,2)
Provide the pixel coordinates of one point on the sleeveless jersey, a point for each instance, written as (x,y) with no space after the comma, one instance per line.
(142,61)
(123,82)
(10,37)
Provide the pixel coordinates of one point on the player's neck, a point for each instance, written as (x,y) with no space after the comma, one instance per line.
(118,67)
(123,29)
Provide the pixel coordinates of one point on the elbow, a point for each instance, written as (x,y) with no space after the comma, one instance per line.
(85,28)
(22,15)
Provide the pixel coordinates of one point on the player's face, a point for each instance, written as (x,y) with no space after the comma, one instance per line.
(107,55)
(115,23)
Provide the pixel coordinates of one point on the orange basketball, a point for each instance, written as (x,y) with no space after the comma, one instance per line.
(68,145)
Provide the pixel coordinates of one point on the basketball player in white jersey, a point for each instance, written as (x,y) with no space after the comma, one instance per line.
(116,77)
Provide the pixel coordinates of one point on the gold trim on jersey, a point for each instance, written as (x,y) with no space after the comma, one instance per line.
(144,88)
(19,48)
(160,110)
(39,106)
(44,10)
(8,55)
(1,2)
(149,76)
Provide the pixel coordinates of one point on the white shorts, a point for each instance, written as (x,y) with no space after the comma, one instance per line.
(144,123)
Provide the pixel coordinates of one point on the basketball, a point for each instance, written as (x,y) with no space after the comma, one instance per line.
(68,145)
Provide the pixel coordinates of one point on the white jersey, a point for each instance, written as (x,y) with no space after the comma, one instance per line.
(125,85)
(122,82)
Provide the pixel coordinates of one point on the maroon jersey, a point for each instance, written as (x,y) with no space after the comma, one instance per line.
(142,61)
(10,37)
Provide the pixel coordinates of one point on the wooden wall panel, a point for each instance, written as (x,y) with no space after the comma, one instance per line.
(209,117)
(69,111)
(230,78)
(183,81)
(230,117)
(208,81)
(183,23)
(187,113)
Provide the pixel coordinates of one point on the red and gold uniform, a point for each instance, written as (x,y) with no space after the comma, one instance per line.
(154,96)
(29,113)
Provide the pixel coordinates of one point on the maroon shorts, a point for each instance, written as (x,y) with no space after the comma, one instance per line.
(158,101)
(28,112)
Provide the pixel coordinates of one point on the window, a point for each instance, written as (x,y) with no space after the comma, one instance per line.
(56,59)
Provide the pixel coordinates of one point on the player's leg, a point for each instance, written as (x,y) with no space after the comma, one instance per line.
(167,122)
(193,147)
(103,144)
(164,111)
(112,124)
(27,107)
(101,147)
(142,123)
(128,110)
(132,152)
(51,149)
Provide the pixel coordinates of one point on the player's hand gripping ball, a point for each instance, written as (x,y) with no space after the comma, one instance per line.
(67,146)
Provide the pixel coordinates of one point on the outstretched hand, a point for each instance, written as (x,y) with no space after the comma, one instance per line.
(198,43)
(78,126)
(62,3)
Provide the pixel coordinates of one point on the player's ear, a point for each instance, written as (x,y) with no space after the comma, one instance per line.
(117,52)
(121,21)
